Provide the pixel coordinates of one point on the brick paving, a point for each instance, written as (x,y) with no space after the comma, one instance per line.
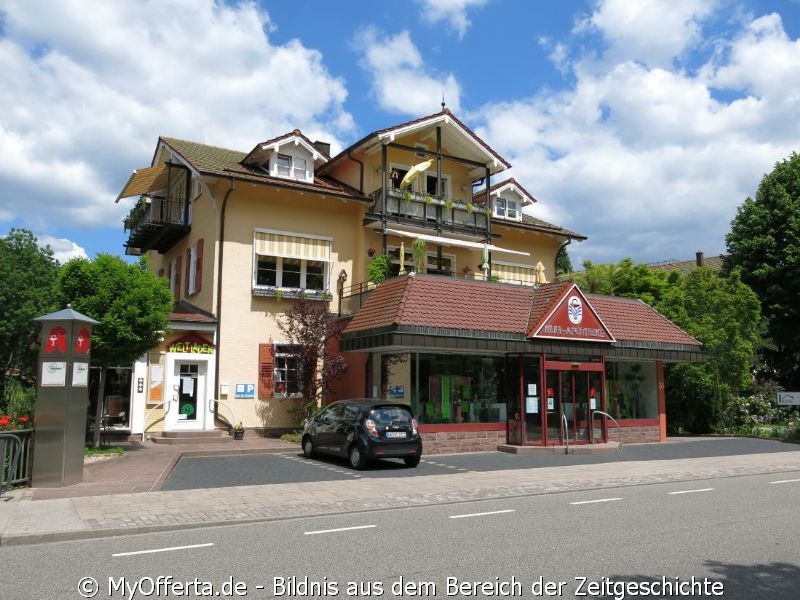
(121,495)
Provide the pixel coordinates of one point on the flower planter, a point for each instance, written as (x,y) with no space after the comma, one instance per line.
(238,434)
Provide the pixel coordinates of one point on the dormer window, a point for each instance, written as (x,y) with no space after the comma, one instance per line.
(506,209)
(291,166)
(284,164)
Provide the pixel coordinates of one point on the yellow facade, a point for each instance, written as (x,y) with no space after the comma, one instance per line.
(232,209)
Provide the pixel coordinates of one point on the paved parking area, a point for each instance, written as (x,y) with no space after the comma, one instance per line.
(291,467)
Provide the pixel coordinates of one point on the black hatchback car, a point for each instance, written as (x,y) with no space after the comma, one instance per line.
(362,430)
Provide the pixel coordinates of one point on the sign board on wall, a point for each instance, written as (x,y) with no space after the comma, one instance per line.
(245,390)
(789,398)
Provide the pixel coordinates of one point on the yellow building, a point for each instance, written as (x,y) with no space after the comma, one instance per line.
(239,235)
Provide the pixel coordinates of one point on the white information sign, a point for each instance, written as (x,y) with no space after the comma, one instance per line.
(531,389)
(54,374)
(80,374)
(531,404)
(789,398)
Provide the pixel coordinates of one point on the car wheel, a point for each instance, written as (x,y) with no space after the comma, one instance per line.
(412,461)
(308,447)
(357,460)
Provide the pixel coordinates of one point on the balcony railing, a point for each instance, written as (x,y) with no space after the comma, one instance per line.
(156,223)
(431,212)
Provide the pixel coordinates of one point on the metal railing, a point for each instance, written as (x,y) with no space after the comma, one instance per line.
(566,433)
(619,429)
(15,458)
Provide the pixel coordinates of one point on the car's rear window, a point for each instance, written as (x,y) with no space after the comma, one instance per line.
(388,415)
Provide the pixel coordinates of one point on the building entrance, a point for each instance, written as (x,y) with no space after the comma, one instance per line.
(559,409)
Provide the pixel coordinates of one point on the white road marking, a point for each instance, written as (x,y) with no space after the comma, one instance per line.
(339,529)
(692,491)
(786,481)
(596,501)
(482,514)
(163,550)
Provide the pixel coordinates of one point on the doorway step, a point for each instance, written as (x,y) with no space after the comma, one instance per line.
(191,437)
(595,449)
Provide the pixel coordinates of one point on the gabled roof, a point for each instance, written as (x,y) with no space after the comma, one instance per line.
(223,162)
(455,135)
(262,151)
(507,184)
(426,303)
(564,314)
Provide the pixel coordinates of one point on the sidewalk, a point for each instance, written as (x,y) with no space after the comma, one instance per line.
(120,496)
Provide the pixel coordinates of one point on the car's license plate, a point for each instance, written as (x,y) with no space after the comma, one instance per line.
(395,434)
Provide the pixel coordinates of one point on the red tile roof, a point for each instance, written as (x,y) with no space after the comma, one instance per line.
(185,312)
(469,305)
(630,319)
(445,302)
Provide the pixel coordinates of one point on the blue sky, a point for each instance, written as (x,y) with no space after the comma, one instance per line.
(641,124)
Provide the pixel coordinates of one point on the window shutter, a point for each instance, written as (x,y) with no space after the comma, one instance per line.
(266,371)
(178,278)
(198,276)
(187,291)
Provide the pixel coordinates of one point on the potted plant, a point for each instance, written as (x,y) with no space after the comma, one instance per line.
(238,431)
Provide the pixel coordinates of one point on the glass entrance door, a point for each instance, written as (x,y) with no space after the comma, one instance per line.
(570,398)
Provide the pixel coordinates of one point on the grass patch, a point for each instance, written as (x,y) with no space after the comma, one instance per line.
(291,437)
(92,451)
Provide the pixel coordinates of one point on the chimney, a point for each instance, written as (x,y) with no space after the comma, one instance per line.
(324,147)
(699,259)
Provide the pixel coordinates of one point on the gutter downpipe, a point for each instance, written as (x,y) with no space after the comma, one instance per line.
(219,289)
(361,174)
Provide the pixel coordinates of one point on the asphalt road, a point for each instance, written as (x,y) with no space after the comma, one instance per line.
(263,469)
(737,536)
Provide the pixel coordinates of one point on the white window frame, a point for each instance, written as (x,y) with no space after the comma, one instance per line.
(283,170)
(503,209)
(280,374)
(299,172)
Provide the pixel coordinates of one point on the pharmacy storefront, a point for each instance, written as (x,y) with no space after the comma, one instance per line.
(548,367)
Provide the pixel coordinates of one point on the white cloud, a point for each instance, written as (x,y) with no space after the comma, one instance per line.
(63,249)
(401,82)
(655,32)
(651,161)
(87,87)
(452,12)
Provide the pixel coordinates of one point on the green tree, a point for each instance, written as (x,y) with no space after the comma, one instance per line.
(311,328)
(563,263)
(723,313)
(764,242)
(131,304)
(625,279)
(28,273)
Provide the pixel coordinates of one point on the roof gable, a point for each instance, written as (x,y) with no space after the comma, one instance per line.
(263,151)
(570,317)
(456,136)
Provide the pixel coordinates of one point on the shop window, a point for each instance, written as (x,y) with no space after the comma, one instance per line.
(632,390)
(459,389)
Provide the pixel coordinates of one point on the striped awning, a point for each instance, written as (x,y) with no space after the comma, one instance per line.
(145,181)
(292,246)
